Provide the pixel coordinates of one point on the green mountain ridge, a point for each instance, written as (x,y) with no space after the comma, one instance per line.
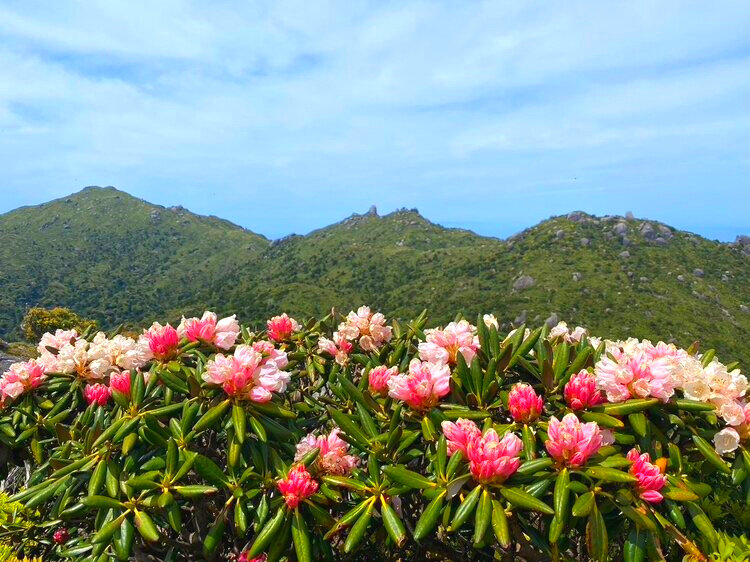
(118,259)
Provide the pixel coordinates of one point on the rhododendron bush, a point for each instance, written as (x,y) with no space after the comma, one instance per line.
(355,437)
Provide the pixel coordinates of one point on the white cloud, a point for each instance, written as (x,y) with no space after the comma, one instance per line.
(334,105)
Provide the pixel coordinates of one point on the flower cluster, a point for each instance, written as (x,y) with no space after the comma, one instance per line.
(561,332)
(339,348)
(280,328)
(162,341)
(581,391)
(221,334)
(366,327)
(422,386)
(571,442)
(297,486)
(333,456)
(650,478)
(524,404)
(19,378)
(253,372)
(377,379)
(444,345)
(491,460)
(634,369)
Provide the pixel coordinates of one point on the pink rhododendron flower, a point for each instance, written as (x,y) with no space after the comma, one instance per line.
(339,348)
(524,404)
(163,341)
(252,373)
(635,375)
(297,486)
(443,346)
(369,328)
(19,378)
(650,478)
(333,457)
(120,382)
(220,333)
(727,440)
(581,392)
(571,442)
(281,328)
(422,386)
(378,379)
(96,393)
(460,434)
(491,459)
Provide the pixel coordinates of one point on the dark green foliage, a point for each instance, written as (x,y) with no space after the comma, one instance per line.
(41,320)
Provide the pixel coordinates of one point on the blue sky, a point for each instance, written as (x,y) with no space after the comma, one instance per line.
(287,116)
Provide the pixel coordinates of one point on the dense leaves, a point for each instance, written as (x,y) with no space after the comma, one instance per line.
(213,447)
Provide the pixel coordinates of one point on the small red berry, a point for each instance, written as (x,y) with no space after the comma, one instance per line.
(61,536)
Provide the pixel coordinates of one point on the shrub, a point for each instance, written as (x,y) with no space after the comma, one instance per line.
(40,320)
(352,438)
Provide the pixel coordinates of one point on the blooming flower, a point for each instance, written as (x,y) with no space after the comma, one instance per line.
(635,375)
(297,486)
(444,345)
(281,328)
(120,382)
(491,459)
(524,404)
(163,341)
(339,348)
(50,345)
(219,333)
(581,392)
(572,442)
(650,478)
(369,328)
(726,440)
(19,378)
(252,373)
(332,456)
(561,332)
(422,386)
(490,320)
(378,379)
(96,394)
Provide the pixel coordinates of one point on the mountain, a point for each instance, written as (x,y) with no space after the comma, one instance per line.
(118,259)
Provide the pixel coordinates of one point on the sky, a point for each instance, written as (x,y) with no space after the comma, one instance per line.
(287,116)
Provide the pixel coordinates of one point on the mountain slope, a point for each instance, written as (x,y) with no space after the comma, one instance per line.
(116,258)
(113,257)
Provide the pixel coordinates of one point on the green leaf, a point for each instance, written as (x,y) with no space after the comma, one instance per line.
(267,533)
(582,506)
(238,422)
(628,407)
(483,518)
(710,454)
(560,501)
(102,502)
(212,416)
(701,520)
(536,465)
(429,518)
(104,534)
(465,509)
(195,490)
(210,471)
(596,536)
(392,523)
(214,536)
(146,527)
(349,427)
(301,538)
(357,532)
(407,477)
(519,498)
(610,475)
(500,524)
(634,549)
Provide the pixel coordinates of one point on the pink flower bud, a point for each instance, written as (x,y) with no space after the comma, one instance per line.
(423,386)
(163,341)
(281,328)
(378,379)
(96,394)
(120,382)
(297,486)
(571,442)
(524,404)
(650,478)
(581,392)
